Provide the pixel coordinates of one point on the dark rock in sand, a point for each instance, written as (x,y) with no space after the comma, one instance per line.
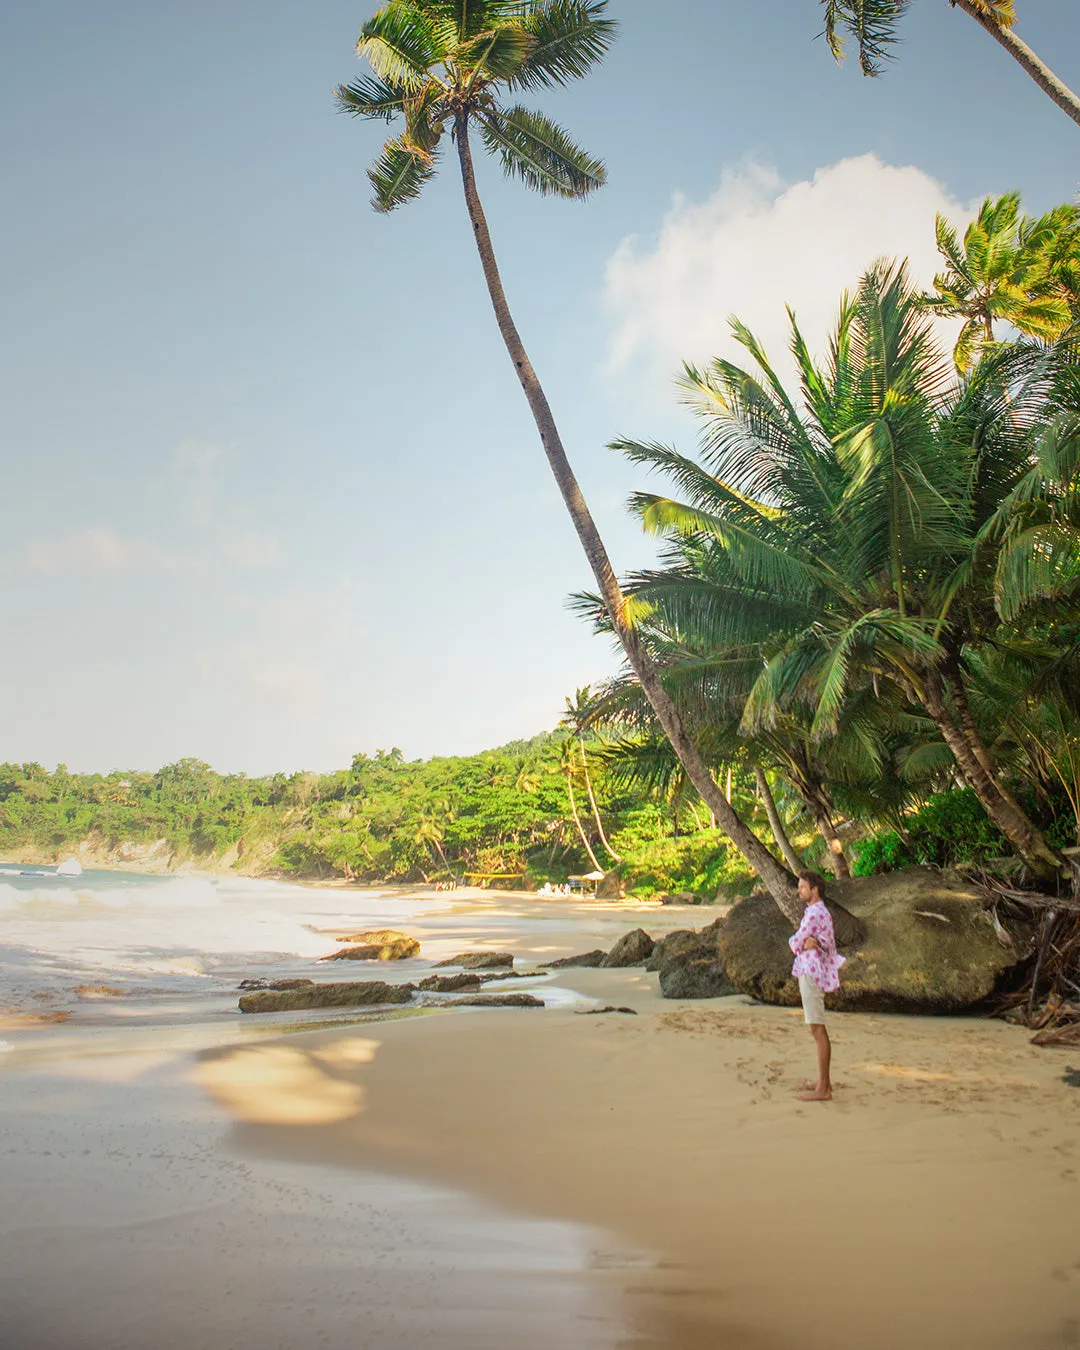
(694,975)
(380,944)
(588,959)
(449,984)
(680,898)
(678,940)
(630,950)
(927,944)
(609,1008)
(280,985)
(512,975)
(479,960)
(497,1001)
(353,994)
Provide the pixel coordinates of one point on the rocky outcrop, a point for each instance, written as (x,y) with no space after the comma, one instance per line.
(511,975)
(587,959)
(630,950)
(449,984)
(607,1008)
(497,1001)
(381,944)
(921,941)
(281,986)
(479,960)
(353,994)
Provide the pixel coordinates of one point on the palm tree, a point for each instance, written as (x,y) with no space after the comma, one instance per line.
(568,763)
(1008,269)
(848,542)
(874,23)
(445,68)
(576,717)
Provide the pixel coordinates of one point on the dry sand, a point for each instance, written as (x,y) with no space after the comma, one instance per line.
(539,1179)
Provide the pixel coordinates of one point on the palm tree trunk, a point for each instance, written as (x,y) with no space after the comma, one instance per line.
(775,823)
(838,863)
(1006,814)
(592,802)
(1040,72)
(776,878)
(577,822)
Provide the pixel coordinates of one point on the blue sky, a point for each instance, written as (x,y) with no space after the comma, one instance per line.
(272,493)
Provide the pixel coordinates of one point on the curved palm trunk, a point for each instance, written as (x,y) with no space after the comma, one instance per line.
(592,802)
(775,823)
(577,821)
(1005,812)
(776,878)
(1040,72)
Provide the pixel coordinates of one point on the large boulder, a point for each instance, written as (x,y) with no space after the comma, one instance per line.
(352,994)
(920,941)
(678,940)
(630,950)
(591,959)
(381,944)
(479,960)
(274,984)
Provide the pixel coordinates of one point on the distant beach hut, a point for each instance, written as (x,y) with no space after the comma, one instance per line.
(590,878)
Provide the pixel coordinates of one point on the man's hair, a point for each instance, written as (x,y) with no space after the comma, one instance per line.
(814,880)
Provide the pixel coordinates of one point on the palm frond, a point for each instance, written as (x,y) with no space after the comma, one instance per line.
(402,44)
(540,153)
(569,37)
(497,54)
(872,23)
(370,98)
(399,174)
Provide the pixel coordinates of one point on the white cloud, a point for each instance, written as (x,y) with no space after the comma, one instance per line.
(757,245)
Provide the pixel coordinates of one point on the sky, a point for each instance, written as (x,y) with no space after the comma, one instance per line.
(272,495)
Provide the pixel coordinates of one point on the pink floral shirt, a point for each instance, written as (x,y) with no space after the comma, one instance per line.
(823,966)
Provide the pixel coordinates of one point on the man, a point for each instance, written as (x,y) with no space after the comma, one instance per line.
(817,968)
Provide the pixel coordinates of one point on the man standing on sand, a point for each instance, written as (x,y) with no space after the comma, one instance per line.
(817,968)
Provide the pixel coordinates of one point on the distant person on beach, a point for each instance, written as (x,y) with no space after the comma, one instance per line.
(817,968)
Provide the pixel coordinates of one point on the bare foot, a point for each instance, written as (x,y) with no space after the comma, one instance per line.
(816,1094)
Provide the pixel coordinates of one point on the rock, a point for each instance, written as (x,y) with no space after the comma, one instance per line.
(631,949)
(478,960)
(693,974)
(497,1001)
(923,942)
(449,984)
(608,1008)
(511,975)
(280,985)
(353,994)
(680,898)
(381,944)
(595,958)
(678,940)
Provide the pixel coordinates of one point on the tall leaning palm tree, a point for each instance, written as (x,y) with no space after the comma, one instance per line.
(873,25)
(449,67)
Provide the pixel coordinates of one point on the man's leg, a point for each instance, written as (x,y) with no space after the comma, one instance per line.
(822,1089)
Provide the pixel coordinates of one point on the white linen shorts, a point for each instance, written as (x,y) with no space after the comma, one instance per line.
(813,1001)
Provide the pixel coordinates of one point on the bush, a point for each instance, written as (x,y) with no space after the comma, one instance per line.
(951,828)
(701,863)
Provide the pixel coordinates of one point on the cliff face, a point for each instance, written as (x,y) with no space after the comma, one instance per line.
(158,856)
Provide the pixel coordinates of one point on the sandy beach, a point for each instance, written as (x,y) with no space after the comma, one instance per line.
(540,1177)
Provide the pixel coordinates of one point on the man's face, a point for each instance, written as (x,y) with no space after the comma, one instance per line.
(804,890)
